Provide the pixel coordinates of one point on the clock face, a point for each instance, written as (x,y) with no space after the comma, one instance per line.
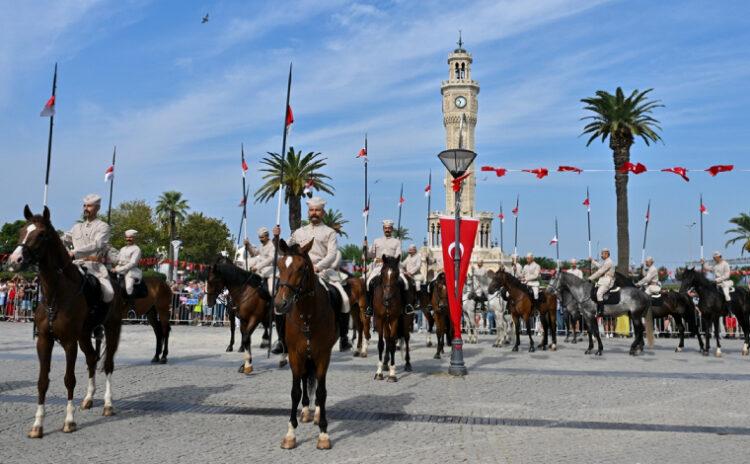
(460,102)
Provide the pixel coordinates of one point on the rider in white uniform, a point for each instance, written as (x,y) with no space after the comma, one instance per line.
(412,267)
(530,276)
(722,273)
(127,262)
(650,282)
(574,269)
(515,267)
(387,245)
(606,276)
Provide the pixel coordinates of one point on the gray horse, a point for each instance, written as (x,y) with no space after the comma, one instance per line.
(633,302)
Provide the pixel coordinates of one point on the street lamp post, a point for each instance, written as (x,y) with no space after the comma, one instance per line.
(457,162)
(176,244)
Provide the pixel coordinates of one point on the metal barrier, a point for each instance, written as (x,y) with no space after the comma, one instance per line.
(18,303)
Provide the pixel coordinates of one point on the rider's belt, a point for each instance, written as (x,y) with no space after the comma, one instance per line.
(91,259)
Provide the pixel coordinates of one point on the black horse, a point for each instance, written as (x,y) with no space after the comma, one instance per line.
(680,306)
(712,306)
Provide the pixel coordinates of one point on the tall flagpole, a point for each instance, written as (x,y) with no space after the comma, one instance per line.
(366,213)
(557,245)
(645,233)
(400,205)
(502,221)
(280,194)
(588,224)
(244,205)
(429,200)
(111,185)
(515,234)
(700,211)
(49,139)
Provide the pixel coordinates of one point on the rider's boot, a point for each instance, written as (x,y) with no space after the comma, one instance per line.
(405,297)
(599,309)
(344,344)
(368,297)
(278,347)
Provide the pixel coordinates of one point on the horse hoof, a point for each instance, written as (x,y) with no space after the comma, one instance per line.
(163,361)
(587,352)
(745,350)
(574,341)
(36,432)
(678,350)
(553,347)
(108,411)
(283,363)
(247,370)
(704,352)
(718,352)
(242,368)
(392,379)
(407,367)
(324,443)
(154,360)
(437,356)
(363,354)
(87,404)
(264,344)
(379,377)
(355,354)
(429,344)
(241,350)
(598,353)
(532,349)
(230,349)
(515,348)
(69,427)
(306,416)
(289,443)
(544,347)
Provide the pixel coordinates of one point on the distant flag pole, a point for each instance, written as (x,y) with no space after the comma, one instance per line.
(557,245)
(515,234)
(49,111)
(502,221)
(110,174)
(703,210)
(400,207)
(288,120)
(587,203)
(428,194)
(366,210)
(645,233)
(244,202)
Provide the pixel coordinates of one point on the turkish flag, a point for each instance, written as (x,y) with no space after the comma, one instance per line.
(466,239)
(540,173)
(713,170)
(636,168)
(289,118)
(569,169)
(49,108)
(680,171)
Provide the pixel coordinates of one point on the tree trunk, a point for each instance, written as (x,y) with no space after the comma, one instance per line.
(295,213)
(621,154)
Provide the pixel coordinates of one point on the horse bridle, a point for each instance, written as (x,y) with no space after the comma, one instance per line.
(297,291)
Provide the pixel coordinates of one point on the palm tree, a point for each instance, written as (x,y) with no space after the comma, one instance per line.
(621,119)
(742,232)
(171,209)
(401,233)
(298,171)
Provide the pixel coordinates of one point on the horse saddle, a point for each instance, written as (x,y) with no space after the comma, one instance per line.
(139,289)
(657,300)
(612,297)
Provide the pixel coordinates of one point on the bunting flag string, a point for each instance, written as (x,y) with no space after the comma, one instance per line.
(626,168)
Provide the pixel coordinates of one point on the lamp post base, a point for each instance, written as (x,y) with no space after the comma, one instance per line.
(457,366)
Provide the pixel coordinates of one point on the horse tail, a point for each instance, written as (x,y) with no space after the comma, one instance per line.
(650,326)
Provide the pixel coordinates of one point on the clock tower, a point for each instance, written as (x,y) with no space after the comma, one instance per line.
(460,106)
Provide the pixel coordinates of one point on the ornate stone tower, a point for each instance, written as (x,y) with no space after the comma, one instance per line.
(460,106)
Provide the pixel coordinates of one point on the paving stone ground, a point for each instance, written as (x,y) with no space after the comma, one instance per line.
(558,407)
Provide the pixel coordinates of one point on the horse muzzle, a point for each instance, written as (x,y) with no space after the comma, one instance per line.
(282,307)
(19,259)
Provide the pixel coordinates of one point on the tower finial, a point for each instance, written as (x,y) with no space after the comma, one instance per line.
(460,41)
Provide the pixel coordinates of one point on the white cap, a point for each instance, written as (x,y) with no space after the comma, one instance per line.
(262,231)
(717,254)
(573,261)
(388,223)
(649,258)
(412,247)
(514,256)
(131,233)
(529,255)
(605,249)
(92,199)
(316,202)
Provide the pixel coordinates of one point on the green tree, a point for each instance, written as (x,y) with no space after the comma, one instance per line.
(203,238)
(401,233)
(333,219)
(136,214)
(741,232)
(298,170)
(170,210)
(621,119)
(9,235)
(351,252)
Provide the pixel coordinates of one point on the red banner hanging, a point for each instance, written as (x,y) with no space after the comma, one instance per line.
(467,235)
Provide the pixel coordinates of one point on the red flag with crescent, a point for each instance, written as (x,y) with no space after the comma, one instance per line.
(466,239)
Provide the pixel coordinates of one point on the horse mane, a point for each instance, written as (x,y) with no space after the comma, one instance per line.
(623,281)
(234,275)
(513,280)
(699,277)
(54,237)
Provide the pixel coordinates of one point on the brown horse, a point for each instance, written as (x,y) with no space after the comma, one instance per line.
(360,321)
(548,315)
(64,316)
(442,317)
(157,307)
(390,321)
(250,296)
(519,302)
(310,332)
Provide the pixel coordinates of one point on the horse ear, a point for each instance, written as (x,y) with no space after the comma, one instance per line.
(305,249)
(45,214)
(283,247)
(27,213)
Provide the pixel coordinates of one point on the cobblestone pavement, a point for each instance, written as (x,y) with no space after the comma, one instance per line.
(559,406)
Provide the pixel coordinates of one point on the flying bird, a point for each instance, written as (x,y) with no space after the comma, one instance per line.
(205,19)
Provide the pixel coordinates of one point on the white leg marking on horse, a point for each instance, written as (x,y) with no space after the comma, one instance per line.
(745,349)
(90,390)
(290,431)
(305,411)
(248,360)
(316,417)
(380,368)
(718,352)
(392,371)
(108,391)
(323,436)
(69,410)
(39,416)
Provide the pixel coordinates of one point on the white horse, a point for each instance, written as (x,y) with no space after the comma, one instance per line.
(503,322)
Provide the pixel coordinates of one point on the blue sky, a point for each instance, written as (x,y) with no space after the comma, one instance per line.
(178,97)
